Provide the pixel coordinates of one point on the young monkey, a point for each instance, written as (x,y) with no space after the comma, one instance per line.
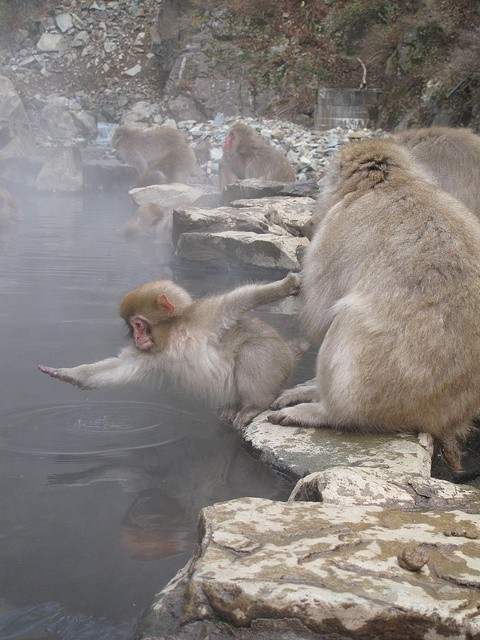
(210,346)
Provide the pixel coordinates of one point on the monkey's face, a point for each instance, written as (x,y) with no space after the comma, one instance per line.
(229,140)
(141,333)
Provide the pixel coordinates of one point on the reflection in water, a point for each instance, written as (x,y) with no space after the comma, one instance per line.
(100,489)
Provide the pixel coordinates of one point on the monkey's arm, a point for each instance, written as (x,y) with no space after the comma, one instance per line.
(231,305)
(111,372)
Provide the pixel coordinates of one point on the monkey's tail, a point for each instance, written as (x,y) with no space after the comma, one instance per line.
(299,347)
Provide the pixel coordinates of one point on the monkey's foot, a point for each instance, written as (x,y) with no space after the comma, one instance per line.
(305,393)
(64,377)
(302,415)
(243,418)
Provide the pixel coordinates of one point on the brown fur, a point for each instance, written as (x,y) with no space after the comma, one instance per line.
(210,346)
(246,154)
(452,157)
(160,153)
(391,290)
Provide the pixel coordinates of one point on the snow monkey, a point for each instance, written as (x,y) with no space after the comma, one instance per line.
(160,152)
(247,154)
(391,291)
(452,157)
(210,346)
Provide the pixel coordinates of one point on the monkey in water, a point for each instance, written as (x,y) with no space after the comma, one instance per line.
(451,157)
(391,291)
(150,219)
(160,153)
(246,154)
(210,346)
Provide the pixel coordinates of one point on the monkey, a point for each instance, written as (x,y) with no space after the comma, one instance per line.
(8,207)
(150,219)
(210,346)
(451,156)
(246,154)
(390,290)
(160,153)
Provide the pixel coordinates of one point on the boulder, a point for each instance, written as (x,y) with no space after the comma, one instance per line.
(290,213)
(62,172)
(221,219)
(168,196)
(226,249)
(304,571)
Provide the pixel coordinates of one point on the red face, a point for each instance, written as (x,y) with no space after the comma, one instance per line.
(141,335)
(228,144)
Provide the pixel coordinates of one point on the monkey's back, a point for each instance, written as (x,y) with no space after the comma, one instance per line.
(393,277)
(451,156)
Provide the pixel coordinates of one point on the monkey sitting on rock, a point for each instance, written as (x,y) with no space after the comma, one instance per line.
(247,154)
(160,154)
(210,346)
(391,292)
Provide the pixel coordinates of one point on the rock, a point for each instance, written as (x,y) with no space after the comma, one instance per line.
(86,124)
(255,188)
(50,42)
(212,220)
(106,173)
(133,71)
(291,213)
(62,172)
(323,571)
(299,451)
(13,117)
(350,486)
(169,196)
(227,249)
(141,111)
(64,21)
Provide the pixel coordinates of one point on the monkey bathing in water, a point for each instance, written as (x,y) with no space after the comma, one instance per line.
(210,346)
(391,291)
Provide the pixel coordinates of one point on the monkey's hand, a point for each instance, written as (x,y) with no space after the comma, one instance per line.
(292,284)
(60,374)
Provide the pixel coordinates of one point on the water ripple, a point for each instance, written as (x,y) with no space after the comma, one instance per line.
(87,429)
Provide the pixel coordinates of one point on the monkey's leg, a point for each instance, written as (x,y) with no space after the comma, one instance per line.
(307,392)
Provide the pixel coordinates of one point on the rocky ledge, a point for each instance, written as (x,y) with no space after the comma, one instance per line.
(368,546)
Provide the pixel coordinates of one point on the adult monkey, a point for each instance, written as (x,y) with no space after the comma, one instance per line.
(451,156)
(160,153)
(246,154)
(391,290)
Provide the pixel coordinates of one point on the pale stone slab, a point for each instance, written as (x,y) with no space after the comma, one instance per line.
(301,451)
(333,571)
(169,196)
(50,42)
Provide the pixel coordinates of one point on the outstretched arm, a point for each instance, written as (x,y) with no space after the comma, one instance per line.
(228,308)
(111,372)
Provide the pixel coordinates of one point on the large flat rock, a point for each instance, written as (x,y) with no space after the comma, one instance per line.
(300,451)
(364,572)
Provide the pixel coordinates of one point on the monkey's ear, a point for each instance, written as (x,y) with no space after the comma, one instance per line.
(165,305)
